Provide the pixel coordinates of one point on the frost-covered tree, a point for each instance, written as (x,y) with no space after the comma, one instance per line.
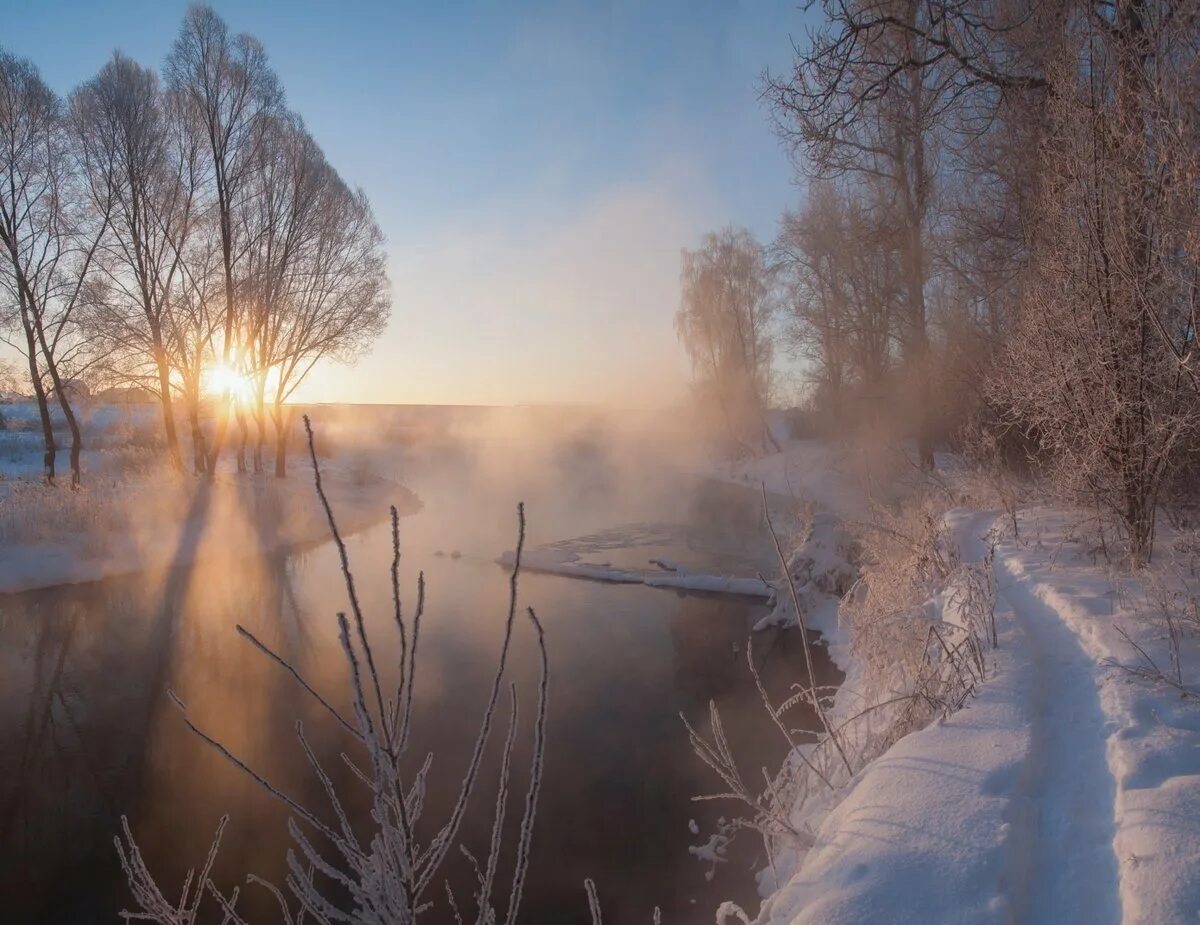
(1100,365)
(865,99)
(336,300)
(725,323)
(840,263)
(137,155)
(49,233)
(231,92)
(314,283)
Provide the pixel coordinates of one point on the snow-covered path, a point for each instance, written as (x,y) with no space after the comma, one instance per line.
(1008,809)
(1065,792)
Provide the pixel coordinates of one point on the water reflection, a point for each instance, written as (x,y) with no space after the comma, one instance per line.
(86,732)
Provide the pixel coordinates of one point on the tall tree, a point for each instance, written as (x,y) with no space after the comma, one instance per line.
(724,321)
(50,235)
(839,257)
(1100,363)
(133,157)
(28,126)
(232,91)
(291,180)
(336,299)
(867,98)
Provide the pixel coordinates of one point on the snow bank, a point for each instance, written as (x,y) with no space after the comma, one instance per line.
(924,833)
(1149,734)
(1067,790)
(128,525)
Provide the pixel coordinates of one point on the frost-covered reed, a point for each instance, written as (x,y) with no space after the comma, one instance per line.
(918,623)
(375,871)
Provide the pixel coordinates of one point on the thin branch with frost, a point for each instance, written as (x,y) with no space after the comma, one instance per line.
(808,662)
(386,875)
(589,886)
(154,906)
(1149,670)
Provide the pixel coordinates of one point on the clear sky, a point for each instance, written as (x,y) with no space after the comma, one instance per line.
(536,168)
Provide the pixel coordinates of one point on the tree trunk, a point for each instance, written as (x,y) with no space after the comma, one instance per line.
(168,411)
(199,449)
(65,403)
(39,391)
(243,435)
(73,424)
(218,436)
(260,420)
(281,441)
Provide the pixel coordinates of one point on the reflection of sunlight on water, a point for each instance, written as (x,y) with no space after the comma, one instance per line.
(624,662)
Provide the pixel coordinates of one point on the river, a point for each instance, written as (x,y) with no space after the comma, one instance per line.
(87,732)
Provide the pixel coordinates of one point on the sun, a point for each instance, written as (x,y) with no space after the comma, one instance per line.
(224,379)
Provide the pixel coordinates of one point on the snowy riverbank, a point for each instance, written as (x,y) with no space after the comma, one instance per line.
(1066,790)
(232,516)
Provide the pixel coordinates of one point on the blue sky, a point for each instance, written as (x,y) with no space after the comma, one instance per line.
(535,166)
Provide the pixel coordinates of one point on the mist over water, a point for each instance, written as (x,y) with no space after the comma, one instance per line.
(88,732)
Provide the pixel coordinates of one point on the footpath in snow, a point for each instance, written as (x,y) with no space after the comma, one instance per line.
(1066,791)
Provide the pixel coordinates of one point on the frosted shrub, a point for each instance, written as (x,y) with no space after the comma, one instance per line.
(920,624)
(1171,606)
(919,621)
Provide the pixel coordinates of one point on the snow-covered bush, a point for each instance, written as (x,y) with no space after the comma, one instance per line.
(913,626)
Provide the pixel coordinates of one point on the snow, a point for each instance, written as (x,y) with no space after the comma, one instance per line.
(809,470)
(133,513)
(1067,790)
(1140,791)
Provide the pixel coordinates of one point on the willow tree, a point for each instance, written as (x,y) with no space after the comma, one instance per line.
(724,321)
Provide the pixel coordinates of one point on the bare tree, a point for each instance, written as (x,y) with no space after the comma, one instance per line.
(1099,362)
(839,258)
(291,179)
(133,157)
(724,320)
(194,324)
(28,117)
(232,90)
(867,98)
(332,299)
(50,236)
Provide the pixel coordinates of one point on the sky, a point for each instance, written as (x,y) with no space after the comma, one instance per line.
(535,167)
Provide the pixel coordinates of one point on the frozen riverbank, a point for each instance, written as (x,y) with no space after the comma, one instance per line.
(1067,789)
(127,524)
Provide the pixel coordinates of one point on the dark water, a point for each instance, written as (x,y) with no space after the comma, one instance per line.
(87,732)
